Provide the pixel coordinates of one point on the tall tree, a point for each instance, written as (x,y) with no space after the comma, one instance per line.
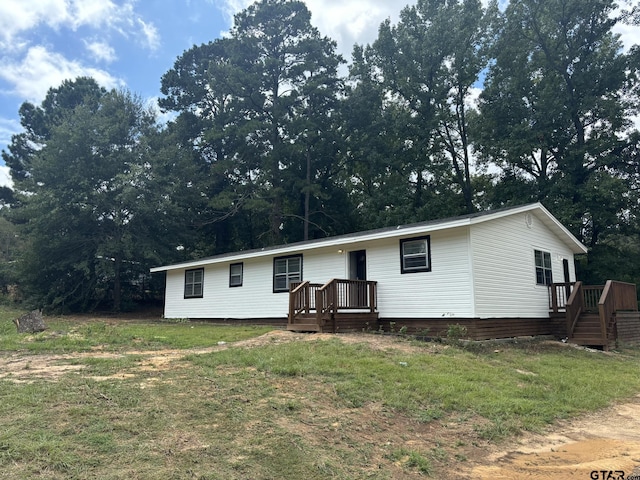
(252,100)
(557,102)
(86,195)
(428,64)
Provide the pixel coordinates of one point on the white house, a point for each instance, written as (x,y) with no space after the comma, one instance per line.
(489,265)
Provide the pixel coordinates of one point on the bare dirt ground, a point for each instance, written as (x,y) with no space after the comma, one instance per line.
(606,442)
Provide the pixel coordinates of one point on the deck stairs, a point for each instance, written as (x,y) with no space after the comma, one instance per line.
(591,310)
(588,331)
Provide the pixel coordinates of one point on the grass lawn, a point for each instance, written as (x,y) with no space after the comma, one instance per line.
(141,403)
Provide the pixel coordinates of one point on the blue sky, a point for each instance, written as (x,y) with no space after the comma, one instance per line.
(132,43)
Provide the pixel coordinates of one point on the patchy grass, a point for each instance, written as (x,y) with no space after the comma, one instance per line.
(519,387)
(76,334)
(284,406)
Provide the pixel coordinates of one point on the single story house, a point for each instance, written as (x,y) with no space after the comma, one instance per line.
(491,272)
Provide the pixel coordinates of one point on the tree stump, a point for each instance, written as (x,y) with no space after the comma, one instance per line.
(31,322)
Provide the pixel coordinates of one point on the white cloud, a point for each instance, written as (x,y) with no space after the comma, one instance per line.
(150,35)
(41,69)
(629,35)
(97,13)
(162,118)
(18,17)
(352,21)
(5,177)
(346,21)
(101,51)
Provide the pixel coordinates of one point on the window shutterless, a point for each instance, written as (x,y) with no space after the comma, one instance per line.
(285,271)
(415,254)
(193,283)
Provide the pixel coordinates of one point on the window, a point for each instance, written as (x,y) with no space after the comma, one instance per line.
(193,283)
(415,255)
(543,268)
(235,275)
(285,271)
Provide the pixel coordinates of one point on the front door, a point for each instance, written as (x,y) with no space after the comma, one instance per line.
(358,265)
(358,271)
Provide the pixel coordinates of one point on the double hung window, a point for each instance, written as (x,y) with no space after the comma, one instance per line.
(543,267)
(235,274)
(193,283)
(415,255)
(285,271)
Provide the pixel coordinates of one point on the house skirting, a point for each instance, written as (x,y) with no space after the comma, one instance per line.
(236,322)
(628,327)
(478,328)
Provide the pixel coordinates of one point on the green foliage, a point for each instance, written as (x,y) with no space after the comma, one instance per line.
(552,116)
(456,332)
(91,200)
(411,459)
(271,145)
(258,107)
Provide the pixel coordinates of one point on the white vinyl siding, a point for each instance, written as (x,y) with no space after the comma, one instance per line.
(443,291)
(504,266)
(482,269)
(256,298)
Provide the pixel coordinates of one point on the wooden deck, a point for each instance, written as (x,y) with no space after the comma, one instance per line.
(591,311)
(585,314)
(337,306)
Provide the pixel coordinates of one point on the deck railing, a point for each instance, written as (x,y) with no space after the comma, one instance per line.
(605,300)
(558,295)
(334,296)
(302,298)
(616,296)
(574,307)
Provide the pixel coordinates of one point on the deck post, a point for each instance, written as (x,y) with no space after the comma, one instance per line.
(554,298)
(372,297)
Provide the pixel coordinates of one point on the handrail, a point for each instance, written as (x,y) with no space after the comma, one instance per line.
(574,307)
(616,296)
(301,299)
(296,306)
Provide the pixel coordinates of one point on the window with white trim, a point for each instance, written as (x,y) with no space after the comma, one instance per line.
(235,274)
(285,271)
(415,254)
(543,267)
(193,283)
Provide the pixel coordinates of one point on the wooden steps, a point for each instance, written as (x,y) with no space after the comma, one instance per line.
(588,331)
(303,327)
(340,322)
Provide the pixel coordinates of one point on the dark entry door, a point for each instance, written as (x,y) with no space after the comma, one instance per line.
(358,271)
(358,265)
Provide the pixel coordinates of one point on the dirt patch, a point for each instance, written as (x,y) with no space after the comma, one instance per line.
(605,441)
(608,440)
